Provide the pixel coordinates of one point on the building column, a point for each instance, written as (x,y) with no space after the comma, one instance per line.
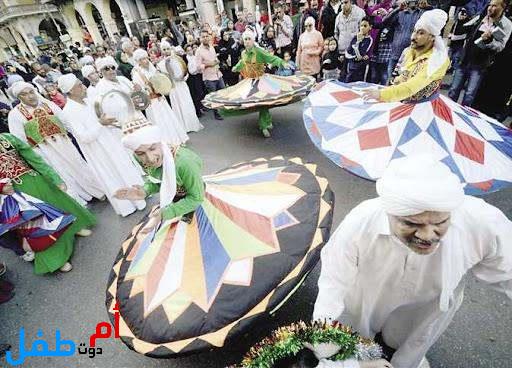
(208,10)
(72,26)
(250,5)
(142,9)
(86,14)
(23,42)
(106,15)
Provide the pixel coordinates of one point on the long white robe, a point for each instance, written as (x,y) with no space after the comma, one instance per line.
(105,154)
(62,155)
(373,282)
(181,100)
(159,112)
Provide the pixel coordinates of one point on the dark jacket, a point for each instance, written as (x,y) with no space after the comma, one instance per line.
(328,20)
(482,56)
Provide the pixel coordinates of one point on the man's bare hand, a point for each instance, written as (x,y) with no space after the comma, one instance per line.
(371,94)
(381,363)
(104,120)
(63,187)
(486,35)
(135,193)
(8,189)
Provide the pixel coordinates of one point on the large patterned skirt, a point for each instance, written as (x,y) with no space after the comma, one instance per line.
(363,137)
(264,92)
(189,287)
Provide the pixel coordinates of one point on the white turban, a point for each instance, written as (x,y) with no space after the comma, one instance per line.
(249,34)
(18,87)
(105,61)
(139,54)
(149,135)
(416,184)
(87,59)
(88,70)
(66,82)
(165,45)
(433,22)
(126,44)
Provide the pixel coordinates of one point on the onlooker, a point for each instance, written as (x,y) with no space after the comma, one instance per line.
(268,38)
(347,26)
(194,80)
(457,37)
(401,21)
(309,50)
(289,69)
(54,95)
(40,80)
(225,51)
(240,22)
(330,11)
(331,60)
(304,13)
(209,66)
(124,66)
(487,37)
(357,53)
(284,30)
(380,57)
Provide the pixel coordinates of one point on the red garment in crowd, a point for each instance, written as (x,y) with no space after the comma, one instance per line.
(264,19)
(58,99)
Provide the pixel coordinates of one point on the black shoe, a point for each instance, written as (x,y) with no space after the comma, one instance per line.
(217,116)
(4,348)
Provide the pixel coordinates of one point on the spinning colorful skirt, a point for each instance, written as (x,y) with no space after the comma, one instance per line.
(186,288)
(37,222)
(363,137)
(259,91)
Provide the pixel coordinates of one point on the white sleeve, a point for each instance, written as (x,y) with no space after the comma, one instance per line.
(350,363)
(339,267)
(16,125)
(82,134)
(496,268)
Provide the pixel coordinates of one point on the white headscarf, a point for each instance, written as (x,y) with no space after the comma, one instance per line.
(416,184)
(310,20)
(249,34)
(17,87)
(88,70)
(164,44)
(150,134)
(66,82)
(104,62)
(433,22)
(139,54)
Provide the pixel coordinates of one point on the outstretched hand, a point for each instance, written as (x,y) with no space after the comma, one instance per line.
(135,193)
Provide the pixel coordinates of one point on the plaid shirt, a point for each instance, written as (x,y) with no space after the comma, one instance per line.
(382,53)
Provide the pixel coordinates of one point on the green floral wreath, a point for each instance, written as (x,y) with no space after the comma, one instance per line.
(288,341)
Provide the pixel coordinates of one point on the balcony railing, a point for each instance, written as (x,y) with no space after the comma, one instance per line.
(23,10)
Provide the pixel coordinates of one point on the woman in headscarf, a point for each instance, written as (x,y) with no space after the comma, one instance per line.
(123,65)
(309,51)
(225,51)
(268,39)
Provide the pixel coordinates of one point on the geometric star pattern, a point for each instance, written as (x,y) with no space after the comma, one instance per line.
(182,266)
(363,137)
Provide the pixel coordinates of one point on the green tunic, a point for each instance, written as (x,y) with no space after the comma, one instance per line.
(41,182)
(258,55)
(188,180)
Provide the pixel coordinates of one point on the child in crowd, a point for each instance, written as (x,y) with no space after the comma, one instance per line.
(357,53)
(54,95)
(331,60)
(290,69)
(269,69)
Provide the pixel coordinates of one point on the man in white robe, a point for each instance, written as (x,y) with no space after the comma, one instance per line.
(394,266)
(159,112)
(104,152)
(181,100)
(89,72)
(40,123)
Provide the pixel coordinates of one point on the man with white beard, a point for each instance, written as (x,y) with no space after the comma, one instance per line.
(394,267)
(104,152)
(40,123)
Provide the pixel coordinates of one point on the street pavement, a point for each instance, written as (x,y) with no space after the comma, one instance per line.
(74,303)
